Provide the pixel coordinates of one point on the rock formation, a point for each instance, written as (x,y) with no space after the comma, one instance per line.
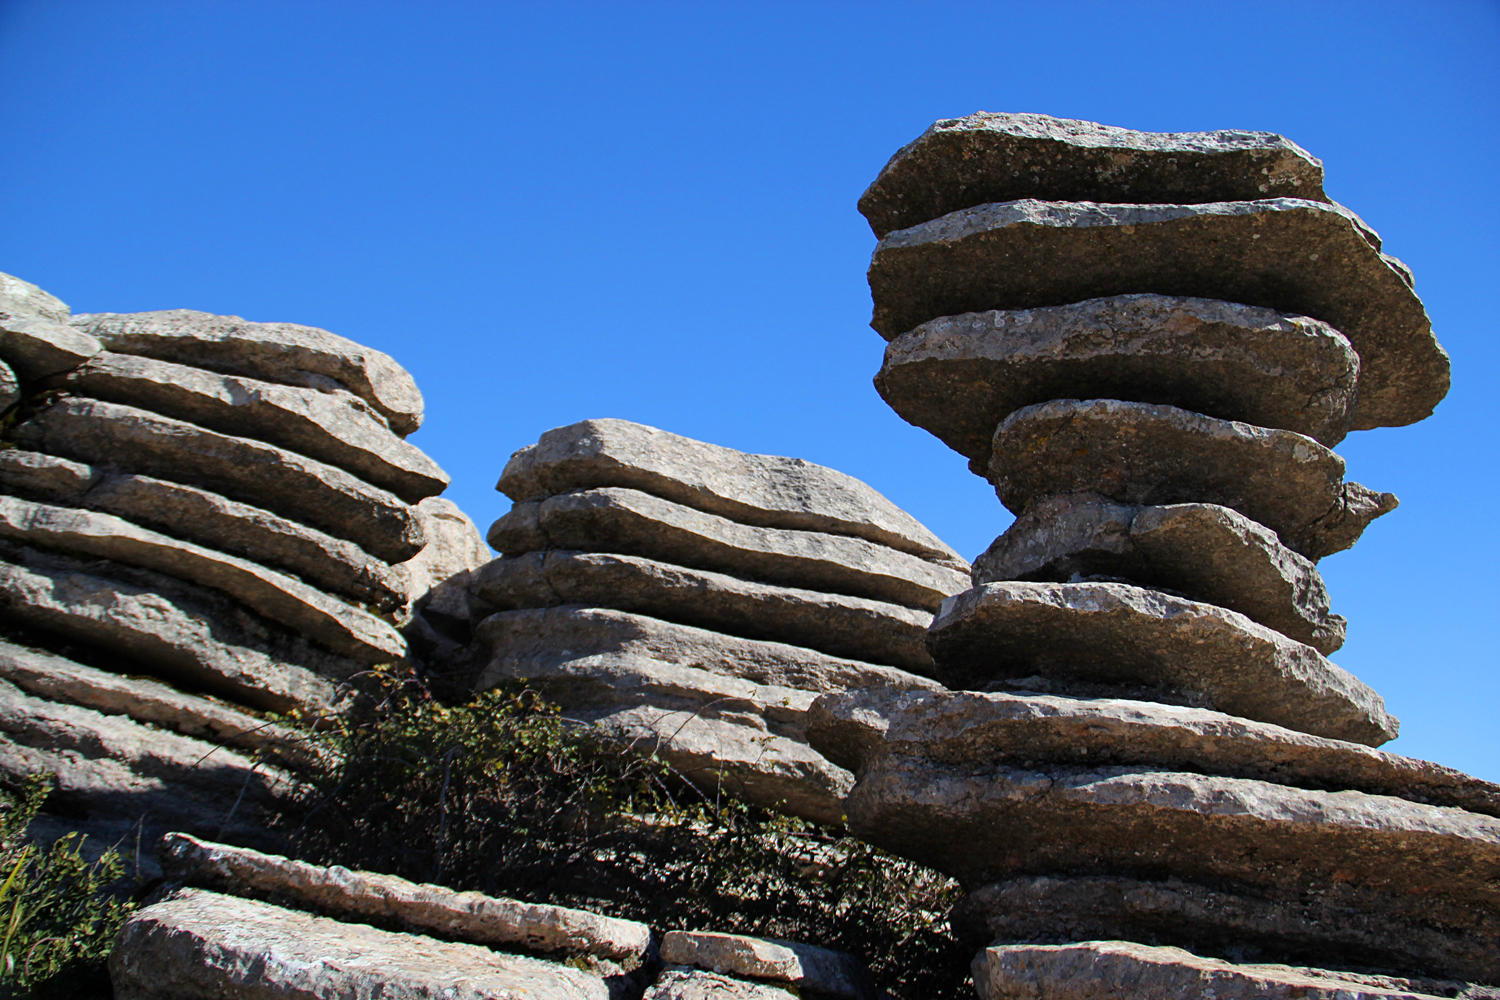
(1148,344)
(699,598)
(203,520)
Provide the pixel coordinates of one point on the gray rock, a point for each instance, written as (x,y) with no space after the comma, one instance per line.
(169,628)
(209,519)
(331,426)
(468,916)
(10,389)
(42,477)
(1313,929)
(199,945)
(275,352)
(1300,257)
(1203,551)
(62,680)
(1122,968)
(1116,633)
(873,631)
(629,522)
(22,298)
(1150,454)
(858,727)
(959,376)
(819,970)
(678,983)
(342,628)
(37,347)
(454,549)
(763,490)
(987,157)
(249,471)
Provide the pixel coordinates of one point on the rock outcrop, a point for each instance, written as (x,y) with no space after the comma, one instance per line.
(1154,748)
(699,598)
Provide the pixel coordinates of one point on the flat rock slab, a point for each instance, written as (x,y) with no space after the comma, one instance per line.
(37,347)
(959,376)
(276,352)
(342,628)
(468,916)
(10,387)
(59,679)
(331,426)
(763,490)
(199,945)
(1300,257)
(1117,633)
(22,298)
(988,157)
(1122,968)
(682,983)
(36,476)
(628,522)
(873,631)
(821,970)
(1145,453)
(1203,551)
(281,481)
(855,729)
(1315,930)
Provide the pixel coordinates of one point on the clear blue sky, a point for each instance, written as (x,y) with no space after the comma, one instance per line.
(552,211)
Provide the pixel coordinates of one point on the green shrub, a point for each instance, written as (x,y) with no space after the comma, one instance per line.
(59,913)
(503,795)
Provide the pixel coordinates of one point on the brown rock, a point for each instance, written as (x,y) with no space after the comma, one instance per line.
(1300,257)
(1116,633)
(1149,454)
(987,157)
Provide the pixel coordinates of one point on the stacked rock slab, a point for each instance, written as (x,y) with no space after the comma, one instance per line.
(699,598)
(202,520)
(1148,344)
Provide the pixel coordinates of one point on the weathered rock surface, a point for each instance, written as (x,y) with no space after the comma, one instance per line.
(1296,256)
(987,157)
(199,945)
(629,522)
(1141,972)
(275,352)
(679,983)
(874,631)
(820,970)
(1204,551)
(342,628)
(48,478)
(183,633)
(10,388)
(469,916)
(959,376)
(454,549)
(1314,929)
(58,679)
(37,347)
(248,471)
(763,490)
(22,298)
(1113,632)
(1152,454)
(332,426)
(964,728)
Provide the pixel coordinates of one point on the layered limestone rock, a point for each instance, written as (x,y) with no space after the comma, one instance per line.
(697,598)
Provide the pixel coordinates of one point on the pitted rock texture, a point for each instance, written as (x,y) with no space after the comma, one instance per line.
(22,298)
(874,631)
(468,916)
(762,490)
(683,983)
(628,522)
(987,157)
(1300,257)
(1122,968)
(1143,453)
(199,945)
(1203,551)
(824,972)
(1117,633)
(959,376)
(275,352)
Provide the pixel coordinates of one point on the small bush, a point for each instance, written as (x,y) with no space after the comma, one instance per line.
(59,914)
(503,795)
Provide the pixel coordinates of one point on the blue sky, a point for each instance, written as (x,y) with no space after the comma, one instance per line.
(556,211)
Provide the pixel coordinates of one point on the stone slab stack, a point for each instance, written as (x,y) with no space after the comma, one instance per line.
(1148,344)
(700,597)
(202,520)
